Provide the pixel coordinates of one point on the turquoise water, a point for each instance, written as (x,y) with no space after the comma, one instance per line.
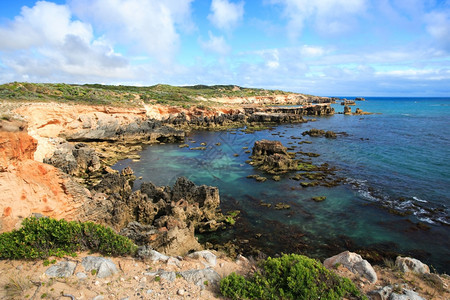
(398,159)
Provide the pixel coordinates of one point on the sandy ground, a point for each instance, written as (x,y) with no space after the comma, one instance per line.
(28,281)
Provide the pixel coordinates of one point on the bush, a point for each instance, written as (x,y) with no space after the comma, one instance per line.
(44,237)
(289,277)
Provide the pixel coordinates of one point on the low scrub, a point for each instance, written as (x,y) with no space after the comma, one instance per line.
(44,237)
(290,277)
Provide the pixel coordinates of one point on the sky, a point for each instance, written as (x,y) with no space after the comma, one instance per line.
(321,47)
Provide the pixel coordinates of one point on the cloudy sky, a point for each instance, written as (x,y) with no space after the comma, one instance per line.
(321,47)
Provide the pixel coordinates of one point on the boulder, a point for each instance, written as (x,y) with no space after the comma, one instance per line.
(407,295)
(408,264)
(61,269)
(206,255)
(104,266)
(166,275)
(354,263)
(201,277)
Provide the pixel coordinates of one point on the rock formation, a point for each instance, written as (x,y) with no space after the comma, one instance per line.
(163,217)
(272,157)
(319,133)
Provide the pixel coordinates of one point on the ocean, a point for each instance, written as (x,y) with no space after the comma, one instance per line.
(396,198)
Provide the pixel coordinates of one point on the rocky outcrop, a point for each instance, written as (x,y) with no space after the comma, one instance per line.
(354,263)
(28,186)
(75,160)
(272,157)
(163,217)
(319,133)
(347,110)
(84,123)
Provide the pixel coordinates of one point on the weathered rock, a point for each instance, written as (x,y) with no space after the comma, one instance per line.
(267,148)
(354,263)
(28,186)
(319,133)
(206,255)
(166,275)
(201,277)
(61,269)
(347,110)
(104,266)
(408,264)
(156,256)
(272,157)
(74,160)
(381,294)
(407,295)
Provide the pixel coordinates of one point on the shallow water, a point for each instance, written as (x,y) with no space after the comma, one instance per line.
(397,159)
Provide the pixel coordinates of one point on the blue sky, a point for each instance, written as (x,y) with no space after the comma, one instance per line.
(322,47)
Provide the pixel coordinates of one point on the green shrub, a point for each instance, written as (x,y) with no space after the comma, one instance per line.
(289,277)
(44,237)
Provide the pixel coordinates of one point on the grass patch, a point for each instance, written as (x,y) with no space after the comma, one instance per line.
(121,95)
(44,237)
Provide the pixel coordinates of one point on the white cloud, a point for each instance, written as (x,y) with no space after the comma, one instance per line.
(328,16)
(45,23)
(216,44)
(226,15)
(45,44)
(146,27)
(438,25)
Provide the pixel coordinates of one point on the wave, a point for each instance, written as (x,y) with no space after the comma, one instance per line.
(420,200)
(430,213)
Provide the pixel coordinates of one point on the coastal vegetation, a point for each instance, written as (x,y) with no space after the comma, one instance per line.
(121,95)
(45,237)
(290,276)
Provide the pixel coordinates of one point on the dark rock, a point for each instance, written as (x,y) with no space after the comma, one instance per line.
(319,133)
(272,157)
(347,110)
(164,218)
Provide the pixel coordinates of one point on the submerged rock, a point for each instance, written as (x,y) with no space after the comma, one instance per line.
(319,133)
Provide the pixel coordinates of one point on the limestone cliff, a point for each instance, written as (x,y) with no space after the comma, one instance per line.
(28,186)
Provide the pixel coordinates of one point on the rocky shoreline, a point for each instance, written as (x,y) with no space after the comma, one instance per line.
(162,218)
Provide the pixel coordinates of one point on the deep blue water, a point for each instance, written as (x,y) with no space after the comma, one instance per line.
(396,159)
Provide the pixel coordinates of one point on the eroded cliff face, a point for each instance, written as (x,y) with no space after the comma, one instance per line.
(50,124)
(28,186)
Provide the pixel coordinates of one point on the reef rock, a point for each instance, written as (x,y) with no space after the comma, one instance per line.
(272,157)
(319,133)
